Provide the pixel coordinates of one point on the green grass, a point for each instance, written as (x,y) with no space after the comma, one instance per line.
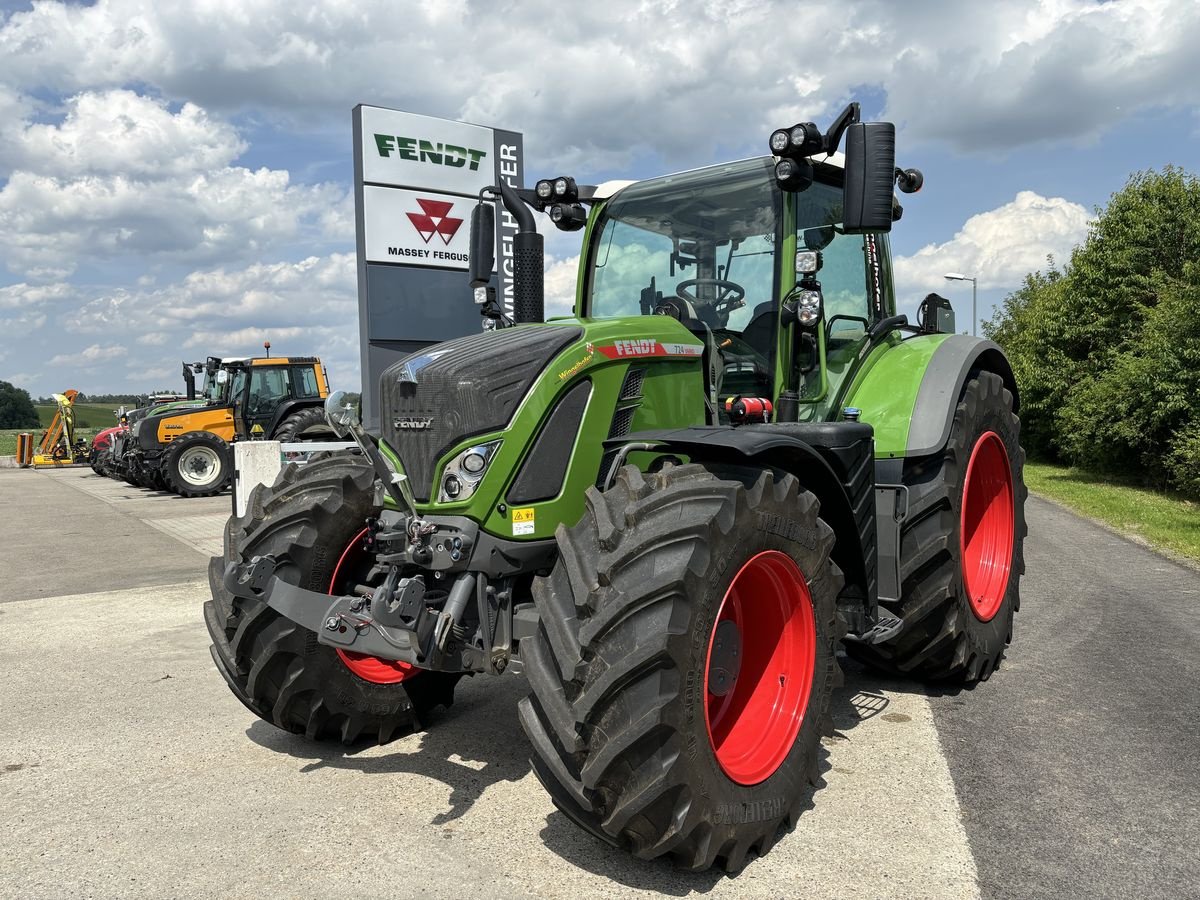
(8,438)
(1165,521)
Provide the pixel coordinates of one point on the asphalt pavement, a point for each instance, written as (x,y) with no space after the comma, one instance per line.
(1078,764)
(128,769)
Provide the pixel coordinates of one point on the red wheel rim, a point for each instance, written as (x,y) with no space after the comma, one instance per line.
(753,725)
(986,530)
(368,668)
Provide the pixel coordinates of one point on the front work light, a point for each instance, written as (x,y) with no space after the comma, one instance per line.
(544,189)
(568,216)
(794,174)
(779,141)
(565,189)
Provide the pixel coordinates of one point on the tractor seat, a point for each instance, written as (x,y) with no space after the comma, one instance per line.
(758,330)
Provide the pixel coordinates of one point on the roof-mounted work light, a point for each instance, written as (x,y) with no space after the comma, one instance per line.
(568,216)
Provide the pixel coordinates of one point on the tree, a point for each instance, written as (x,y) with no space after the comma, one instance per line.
(1107,351)
(16,409)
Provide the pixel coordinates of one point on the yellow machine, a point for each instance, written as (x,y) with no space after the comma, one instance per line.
(187,450)
(59,446)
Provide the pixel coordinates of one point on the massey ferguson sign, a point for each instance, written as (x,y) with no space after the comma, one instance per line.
(416,228)
(416,180)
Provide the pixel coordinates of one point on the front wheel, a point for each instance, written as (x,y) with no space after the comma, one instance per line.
(196,465)
(312,521)
(682,671)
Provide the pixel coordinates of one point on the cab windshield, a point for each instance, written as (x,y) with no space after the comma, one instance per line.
(705,238)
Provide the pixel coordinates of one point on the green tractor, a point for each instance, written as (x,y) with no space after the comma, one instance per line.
(668,510)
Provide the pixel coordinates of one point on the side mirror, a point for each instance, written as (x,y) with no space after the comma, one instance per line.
(483,244)
(341,415)
(870,174)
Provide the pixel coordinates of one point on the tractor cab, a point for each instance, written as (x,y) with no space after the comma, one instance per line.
(716,248)
(265,391)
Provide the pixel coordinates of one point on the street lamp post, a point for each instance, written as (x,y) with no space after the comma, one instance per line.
(958,276)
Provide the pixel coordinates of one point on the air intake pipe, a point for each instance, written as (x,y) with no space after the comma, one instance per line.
(529,294)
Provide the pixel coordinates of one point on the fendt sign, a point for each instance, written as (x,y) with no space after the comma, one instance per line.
(416,180)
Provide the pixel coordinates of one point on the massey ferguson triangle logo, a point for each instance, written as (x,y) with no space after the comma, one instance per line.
(435,219)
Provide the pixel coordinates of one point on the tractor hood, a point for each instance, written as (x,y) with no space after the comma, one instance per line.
(543,398)
(435,398)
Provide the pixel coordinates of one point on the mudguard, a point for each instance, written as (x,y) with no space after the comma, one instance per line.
(910,392)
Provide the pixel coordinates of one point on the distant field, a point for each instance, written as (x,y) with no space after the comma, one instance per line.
(87,415)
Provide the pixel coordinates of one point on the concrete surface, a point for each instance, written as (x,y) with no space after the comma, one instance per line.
(127,769)
(130,770)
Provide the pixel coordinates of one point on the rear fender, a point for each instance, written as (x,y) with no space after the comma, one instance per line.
(909,393)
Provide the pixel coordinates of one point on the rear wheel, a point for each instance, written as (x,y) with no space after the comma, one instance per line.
(306,425)
(961,546)
(197,465)
(311,521)
(682,671)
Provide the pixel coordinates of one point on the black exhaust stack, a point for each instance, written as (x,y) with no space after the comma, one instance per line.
(189,381)
(529,290)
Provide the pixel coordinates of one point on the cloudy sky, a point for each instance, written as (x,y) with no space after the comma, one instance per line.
(175,178)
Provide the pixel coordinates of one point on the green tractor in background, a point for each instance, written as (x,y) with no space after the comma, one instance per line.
(668,510)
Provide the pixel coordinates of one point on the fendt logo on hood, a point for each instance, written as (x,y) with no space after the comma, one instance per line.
(435,219)
(438,154)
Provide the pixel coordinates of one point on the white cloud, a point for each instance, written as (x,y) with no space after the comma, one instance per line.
(560,285)
(124,177)
(303,308)
(632,77)
(998,247)
(121,132)
(89,357)
(27,296)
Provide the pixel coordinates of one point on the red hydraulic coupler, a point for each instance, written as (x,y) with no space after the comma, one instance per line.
(744,410)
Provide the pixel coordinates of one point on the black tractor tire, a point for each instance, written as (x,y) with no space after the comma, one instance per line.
(618,716)
(197,464)
(943,638)
(275,667)
(307,424)
(156,480)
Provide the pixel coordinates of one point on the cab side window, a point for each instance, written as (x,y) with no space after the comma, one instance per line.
(304,381)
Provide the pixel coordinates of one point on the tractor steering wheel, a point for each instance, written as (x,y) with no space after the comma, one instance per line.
(729,293)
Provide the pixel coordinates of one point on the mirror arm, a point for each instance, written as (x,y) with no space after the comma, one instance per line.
(849,116)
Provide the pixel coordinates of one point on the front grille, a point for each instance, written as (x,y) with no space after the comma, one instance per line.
(436,397)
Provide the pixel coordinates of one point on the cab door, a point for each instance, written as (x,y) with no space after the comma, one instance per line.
(269,387)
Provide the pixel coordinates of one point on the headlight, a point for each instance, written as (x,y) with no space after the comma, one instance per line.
(462,474)
(808,307)
(779,140)
(544,189)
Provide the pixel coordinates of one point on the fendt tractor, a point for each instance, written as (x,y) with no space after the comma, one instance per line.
(668,510)
(187,450)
